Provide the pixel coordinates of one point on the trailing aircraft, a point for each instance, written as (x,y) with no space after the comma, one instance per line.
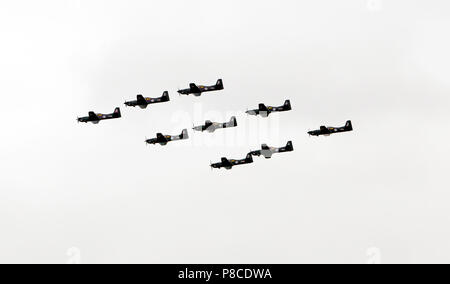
(144,102)
(198,90)
(327,131)
(164,139)
(265,111)
(212,126)
(96,117)
(267,151)
(229,164)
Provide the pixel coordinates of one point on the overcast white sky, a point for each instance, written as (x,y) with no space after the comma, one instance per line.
(97,188)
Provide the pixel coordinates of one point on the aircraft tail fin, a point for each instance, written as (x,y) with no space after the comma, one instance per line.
(262,107)
(287,105)
(117,113)
(165,96)
(219,83)
(184,134)
(249,158)
(348,125)
(92,115)
(289,146)
(233,121)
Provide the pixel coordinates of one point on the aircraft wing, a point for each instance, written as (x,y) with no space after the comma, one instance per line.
(324,130)
(194,88)
(93,116)
(141,100)
(226,163)
(161,137)
(262,107)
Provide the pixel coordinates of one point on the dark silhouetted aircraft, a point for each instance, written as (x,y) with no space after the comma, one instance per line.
(144,102)
(212,126)
(96,117)
(327,131)
(229,164)
(267,151)
(198,90)
(264,111)
(164,139)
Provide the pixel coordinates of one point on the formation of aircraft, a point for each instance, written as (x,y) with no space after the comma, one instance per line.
(144,102)
(212,126)
(96,117)
(198,90)
(265,111)
(229,164)
(327,131)
(164,139)
(209,126)
(267,151)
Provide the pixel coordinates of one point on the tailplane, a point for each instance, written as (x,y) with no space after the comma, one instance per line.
(349,126)
(219,84)
(184,134)
(117,113)
(233,121)
(165,96)
(287,105)
(289,146)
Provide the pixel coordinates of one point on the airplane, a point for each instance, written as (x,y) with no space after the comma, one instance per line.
(327,131)
(229,164)
(264,111)
(212,126)
(198,90)
(164,139)
(144,102)
(267,151)
(96,117)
